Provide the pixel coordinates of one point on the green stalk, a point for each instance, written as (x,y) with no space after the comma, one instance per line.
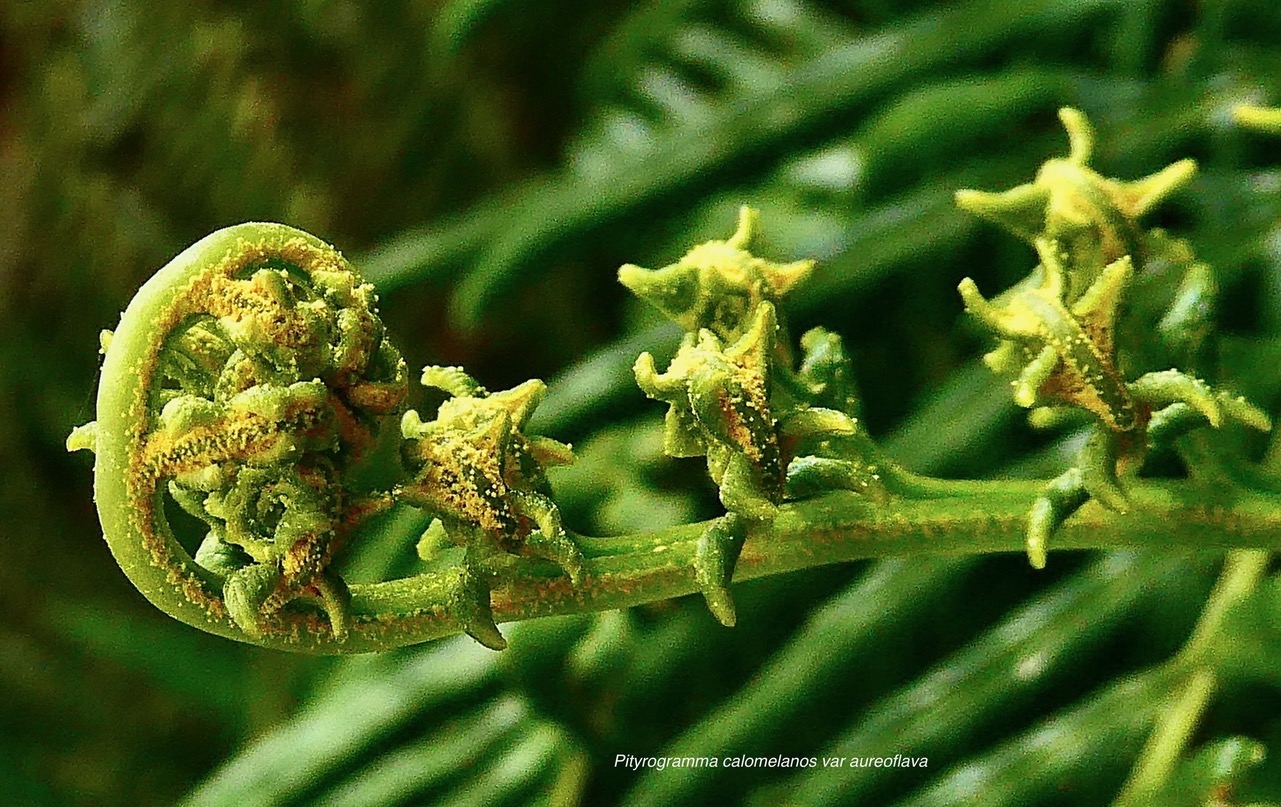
(1070,750)
(838,527)
(1241,574)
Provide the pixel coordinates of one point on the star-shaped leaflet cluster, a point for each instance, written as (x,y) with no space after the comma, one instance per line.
(1059,327)
(719,407)
(717,285)
(734,398)
(1094,218)
(474,469)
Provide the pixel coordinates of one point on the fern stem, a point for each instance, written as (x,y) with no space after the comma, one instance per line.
(838,527)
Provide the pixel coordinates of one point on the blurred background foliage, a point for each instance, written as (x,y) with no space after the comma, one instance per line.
(490,163)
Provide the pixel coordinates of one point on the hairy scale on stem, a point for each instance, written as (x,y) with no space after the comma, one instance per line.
(250,385)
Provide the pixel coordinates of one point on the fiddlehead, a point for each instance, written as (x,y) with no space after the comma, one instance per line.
(1060,326)
(245,385)
(245,382)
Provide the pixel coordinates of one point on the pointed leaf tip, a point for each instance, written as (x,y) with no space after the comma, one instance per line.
(83,438)
(748,223)
(1080,135)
